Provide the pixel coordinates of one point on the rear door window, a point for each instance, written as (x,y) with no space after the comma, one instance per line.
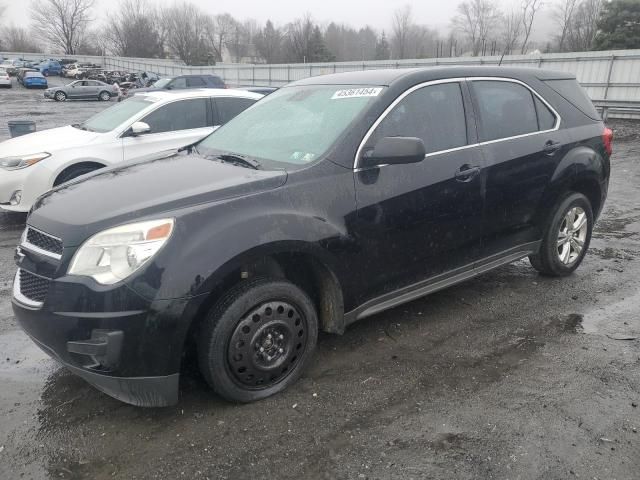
(229,107)
(434,114)
(506,109)
(196,82)
(180,115)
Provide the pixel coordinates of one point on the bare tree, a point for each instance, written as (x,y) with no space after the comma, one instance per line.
(133,30)
(18,39)
(563,12)
(402,23)
(584,25)
(475,20)
(511,30)
(61,23)
(220,33)
(186,32)
(529,10)
(298,39)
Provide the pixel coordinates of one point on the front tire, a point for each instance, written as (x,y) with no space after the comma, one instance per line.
(567,237)
(258,339)
(60,96)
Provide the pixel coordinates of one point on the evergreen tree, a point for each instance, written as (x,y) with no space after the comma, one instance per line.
(383,51)
(618,26)
(318,51)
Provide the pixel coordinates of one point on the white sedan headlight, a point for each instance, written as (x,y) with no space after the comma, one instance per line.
(113,255)
(22,161)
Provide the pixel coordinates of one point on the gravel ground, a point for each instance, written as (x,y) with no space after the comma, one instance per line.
(508,376)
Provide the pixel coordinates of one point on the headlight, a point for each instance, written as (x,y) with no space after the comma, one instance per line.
(18,162)
(115,254)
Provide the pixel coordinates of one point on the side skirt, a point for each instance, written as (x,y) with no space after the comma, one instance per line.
(439,282)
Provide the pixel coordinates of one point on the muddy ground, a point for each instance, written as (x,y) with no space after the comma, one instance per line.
(509,376)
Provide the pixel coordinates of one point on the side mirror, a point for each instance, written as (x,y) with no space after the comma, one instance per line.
(395,151)
(140,128)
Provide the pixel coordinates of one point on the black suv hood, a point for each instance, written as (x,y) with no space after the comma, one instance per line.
(123,194)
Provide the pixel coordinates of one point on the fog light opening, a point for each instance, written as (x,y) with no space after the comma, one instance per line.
(16,198)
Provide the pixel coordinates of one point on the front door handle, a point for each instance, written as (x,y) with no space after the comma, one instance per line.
(551,147)
(466,173)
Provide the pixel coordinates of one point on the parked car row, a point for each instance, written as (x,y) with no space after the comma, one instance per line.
(328,201)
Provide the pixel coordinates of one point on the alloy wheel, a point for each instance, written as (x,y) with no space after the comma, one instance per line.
(572,235)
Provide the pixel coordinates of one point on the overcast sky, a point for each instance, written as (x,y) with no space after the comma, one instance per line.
(357,13)
(435,13)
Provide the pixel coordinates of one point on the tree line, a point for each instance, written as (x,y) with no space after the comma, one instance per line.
(137,28)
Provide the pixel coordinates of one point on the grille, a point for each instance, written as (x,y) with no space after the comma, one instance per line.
(33,287)
(44,241)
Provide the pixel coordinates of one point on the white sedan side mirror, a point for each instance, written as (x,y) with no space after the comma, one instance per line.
(140,128)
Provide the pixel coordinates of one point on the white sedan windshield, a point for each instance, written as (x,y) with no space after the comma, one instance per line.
(110,118)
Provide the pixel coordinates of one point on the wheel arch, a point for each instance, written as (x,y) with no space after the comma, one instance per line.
(75,164)
(299,264)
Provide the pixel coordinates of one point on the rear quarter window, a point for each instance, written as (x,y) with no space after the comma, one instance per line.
(571,91)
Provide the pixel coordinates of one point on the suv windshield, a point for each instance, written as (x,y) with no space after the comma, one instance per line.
(110,118)
(162,82)
(295,125)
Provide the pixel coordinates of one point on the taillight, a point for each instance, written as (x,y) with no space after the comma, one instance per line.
(607,138)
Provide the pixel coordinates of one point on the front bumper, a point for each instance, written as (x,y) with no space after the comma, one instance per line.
(5,83)
(32,182)
(139,391)
(124,345)
(49,94)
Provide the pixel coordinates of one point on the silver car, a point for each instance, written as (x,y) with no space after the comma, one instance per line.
(83,89)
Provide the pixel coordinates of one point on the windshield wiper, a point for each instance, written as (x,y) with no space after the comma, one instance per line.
(237,159)
(79,126)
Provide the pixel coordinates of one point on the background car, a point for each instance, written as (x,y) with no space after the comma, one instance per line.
(34,80)
(22,71)
(49,67)
(146,126)
(5,79)
(83,89)
(183,82)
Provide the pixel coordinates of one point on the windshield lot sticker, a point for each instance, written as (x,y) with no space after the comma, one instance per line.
(357,92)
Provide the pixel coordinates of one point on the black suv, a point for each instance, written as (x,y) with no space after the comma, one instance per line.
(328,201)
(183,82)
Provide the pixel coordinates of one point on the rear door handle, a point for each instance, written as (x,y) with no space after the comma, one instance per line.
(466,173)
(551,147)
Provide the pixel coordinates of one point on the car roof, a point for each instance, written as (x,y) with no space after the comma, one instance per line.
(386,77)
(198,93)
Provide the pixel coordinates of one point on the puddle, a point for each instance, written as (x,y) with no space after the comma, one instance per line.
(616,320)
(573,323)
(21,360)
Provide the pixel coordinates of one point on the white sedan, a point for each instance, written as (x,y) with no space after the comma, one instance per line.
(145,126)
(5,79)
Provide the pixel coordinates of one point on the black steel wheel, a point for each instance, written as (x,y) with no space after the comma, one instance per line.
(258,339)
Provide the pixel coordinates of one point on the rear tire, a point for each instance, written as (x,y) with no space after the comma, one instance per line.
(258,339)
(567,237)
(74,172)
(104,96)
